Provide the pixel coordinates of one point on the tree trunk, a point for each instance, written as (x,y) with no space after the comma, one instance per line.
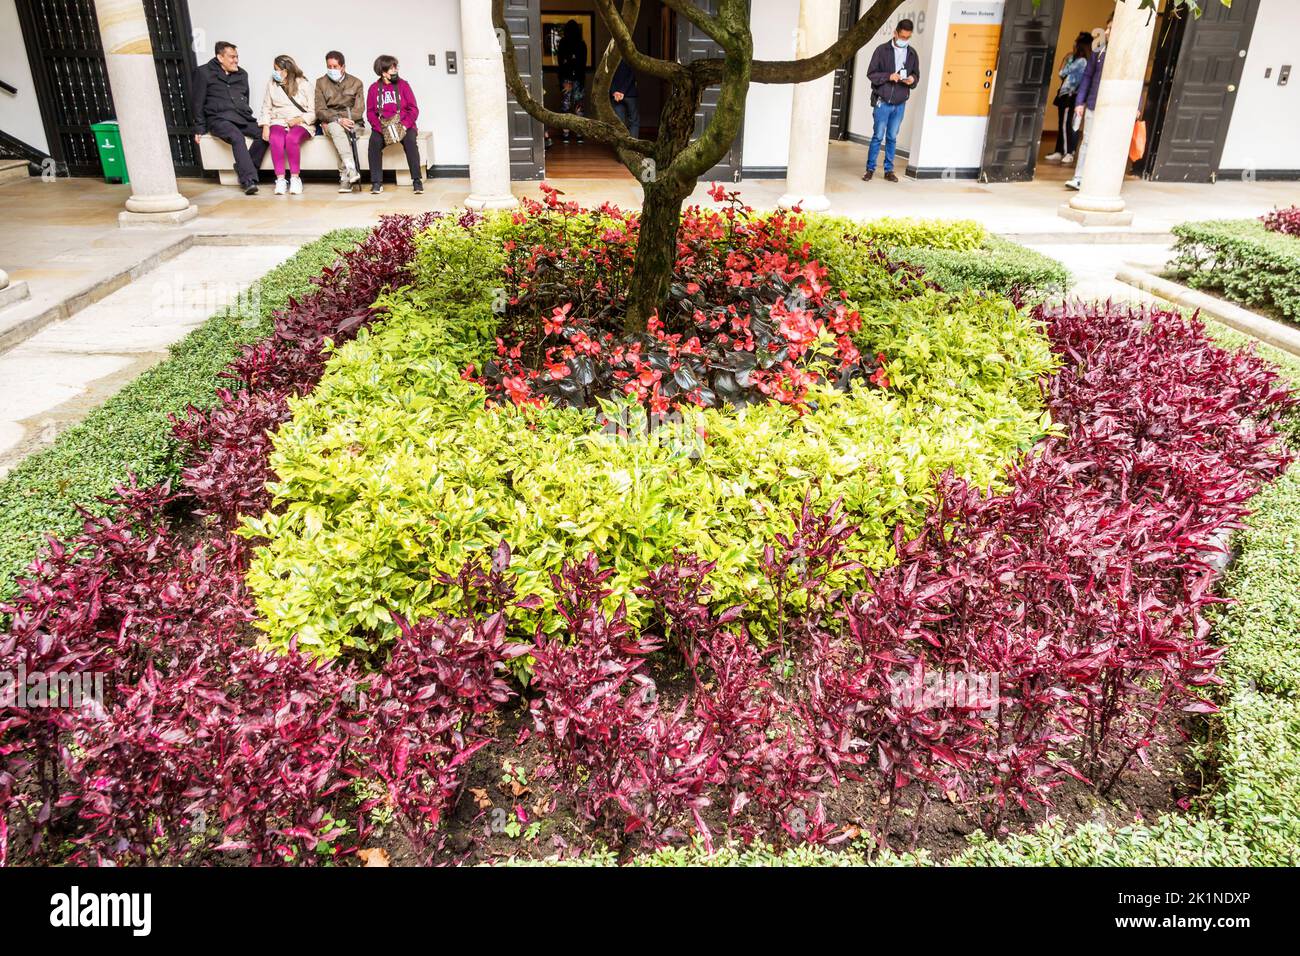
(656,252)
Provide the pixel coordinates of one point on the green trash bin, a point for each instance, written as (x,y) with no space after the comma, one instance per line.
(108,139)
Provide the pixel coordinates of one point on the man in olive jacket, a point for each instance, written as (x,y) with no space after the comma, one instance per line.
(341,112)
(221,108)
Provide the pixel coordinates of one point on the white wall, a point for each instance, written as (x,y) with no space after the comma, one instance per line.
(20,115)
(1265,129)
(408,29)
(768,105)
(921,13)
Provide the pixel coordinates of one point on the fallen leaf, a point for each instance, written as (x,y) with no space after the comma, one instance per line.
(376,857)
(481,797)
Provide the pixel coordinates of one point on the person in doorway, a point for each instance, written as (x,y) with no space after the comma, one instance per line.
(893,71)
(623,93)
(392,111)
(1085,100)
(341,113)
(571,58)
(1072,67)
(221,107)
(288,115)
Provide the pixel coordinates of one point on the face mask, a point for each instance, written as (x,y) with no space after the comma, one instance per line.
(901,44)
(392,77)
(278,77)
(334,75)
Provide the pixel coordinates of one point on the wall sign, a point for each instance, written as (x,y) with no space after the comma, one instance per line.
(971,58)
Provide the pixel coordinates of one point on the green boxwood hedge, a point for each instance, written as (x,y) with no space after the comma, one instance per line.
(130,433)
(997,264)
(1243,260)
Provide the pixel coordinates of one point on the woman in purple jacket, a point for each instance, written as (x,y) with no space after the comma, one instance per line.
(1085,99)
(389,102)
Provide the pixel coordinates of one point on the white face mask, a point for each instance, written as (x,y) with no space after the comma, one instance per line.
(901,44)
(278,77)
(334,75)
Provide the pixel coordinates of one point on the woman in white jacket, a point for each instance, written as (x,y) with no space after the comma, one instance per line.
(288,115)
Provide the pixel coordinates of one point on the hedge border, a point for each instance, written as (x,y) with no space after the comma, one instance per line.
(1241,259)
(130,433)
(997,265)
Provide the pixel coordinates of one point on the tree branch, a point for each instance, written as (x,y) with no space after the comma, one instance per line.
(612,134)
(703,153)
(663,69)
(707,23)
(809,68)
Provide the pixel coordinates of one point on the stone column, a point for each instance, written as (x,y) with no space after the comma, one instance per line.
(1098,202)
(810,117)
(486,113)
(128,54)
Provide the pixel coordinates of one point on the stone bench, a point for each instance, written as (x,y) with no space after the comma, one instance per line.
(317,153)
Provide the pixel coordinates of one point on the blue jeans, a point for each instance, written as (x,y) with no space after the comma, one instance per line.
(887,118)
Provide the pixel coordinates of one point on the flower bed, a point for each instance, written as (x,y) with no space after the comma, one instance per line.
(1080,579)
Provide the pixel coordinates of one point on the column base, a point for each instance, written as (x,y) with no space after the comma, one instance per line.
(806,203)
(480,203)
(137,220)
(14,292)
(1091,217)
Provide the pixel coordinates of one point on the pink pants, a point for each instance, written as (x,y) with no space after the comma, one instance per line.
(287,142)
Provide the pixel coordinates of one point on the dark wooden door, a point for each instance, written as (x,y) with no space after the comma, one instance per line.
(1192,122)
(843,92)
(693,45)
(67,60)
(527,136)
(1026,60)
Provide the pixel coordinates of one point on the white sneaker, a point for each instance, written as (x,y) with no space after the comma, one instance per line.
(345,184)
(1052,158)
(295,186)
(281,186)
(352,174)
(1073,184)
(1068,160)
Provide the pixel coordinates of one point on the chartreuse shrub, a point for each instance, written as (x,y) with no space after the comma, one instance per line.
(1243,259)
(130,432)
(393,470)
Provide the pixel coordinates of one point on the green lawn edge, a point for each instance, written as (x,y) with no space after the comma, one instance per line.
(129,433)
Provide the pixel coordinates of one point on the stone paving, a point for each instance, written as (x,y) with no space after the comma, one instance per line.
(62,372)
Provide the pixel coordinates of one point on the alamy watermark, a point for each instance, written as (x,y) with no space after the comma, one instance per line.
(26,690)
(946,690)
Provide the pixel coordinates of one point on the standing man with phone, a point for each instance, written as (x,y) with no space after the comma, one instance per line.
(893,71)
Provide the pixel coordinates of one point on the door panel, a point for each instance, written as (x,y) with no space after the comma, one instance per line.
(1206,76)
(1026,60)
(843,76)
(527,147)
(694,45)
(173,54)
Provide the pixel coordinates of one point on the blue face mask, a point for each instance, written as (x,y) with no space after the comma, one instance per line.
(901,44)
(278,77)
(334,75)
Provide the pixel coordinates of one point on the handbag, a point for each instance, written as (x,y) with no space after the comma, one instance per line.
(1138,146)
(393,130)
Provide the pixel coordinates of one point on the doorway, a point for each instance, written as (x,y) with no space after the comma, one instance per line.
(67,60)
(1079,18)
(659,33)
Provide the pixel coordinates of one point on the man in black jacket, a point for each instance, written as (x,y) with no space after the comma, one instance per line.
(893,71)
(623,93)
(221,107)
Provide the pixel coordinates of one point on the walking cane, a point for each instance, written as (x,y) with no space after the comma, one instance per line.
(352,138)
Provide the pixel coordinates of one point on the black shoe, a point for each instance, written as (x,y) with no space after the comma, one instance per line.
(376,189)
(890,178)
(417,186)
(250,189)
(866,177)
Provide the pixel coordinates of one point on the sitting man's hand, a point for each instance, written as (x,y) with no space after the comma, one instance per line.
(347,123)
